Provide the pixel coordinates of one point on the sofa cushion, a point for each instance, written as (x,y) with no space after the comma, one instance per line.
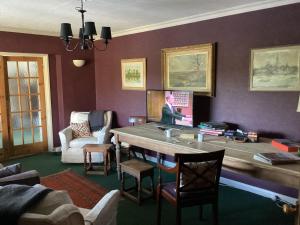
(10,170)
(80,142)
(81,129)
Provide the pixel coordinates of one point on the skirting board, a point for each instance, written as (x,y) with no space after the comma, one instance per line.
(257,190)
(239,185)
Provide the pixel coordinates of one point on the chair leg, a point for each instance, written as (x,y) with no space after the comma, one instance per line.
(178,215)
(122,182)
(215,213)
(201,212)
(136,183)
(158,214)
(152,185)
(139,191)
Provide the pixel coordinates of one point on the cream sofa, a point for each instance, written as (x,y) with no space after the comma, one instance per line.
(58,209)
(72,148)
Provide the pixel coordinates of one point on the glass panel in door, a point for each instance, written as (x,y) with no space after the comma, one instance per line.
(24,96)
(26,103)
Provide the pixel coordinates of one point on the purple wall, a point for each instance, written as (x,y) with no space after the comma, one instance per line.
(71,88)
(270,112)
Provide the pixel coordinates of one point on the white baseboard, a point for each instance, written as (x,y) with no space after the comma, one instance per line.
(240,185)
(257,190)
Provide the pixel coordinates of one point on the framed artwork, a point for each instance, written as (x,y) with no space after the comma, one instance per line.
(275,69)
(133,74)
(189,68)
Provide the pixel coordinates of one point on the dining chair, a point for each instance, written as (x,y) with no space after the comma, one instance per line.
(197,183)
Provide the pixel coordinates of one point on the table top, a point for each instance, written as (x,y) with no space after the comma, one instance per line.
(96,147)
(238,156)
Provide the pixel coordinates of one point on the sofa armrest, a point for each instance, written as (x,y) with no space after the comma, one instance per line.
(64,214)
(27,178)
(65,137)
(105,211)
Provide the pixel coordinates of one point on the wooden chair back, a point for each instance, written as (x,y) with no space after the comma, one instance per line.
(197,172)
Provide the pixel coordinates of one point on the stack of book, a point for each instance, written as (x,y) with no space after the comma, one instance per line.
(276,158)
(213,128)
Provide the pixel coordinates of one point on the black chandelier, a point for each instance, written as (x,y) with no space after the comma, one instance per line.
(86,32)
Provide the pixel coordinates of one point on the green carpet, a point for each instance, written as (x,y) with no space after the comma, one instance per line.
(236,207)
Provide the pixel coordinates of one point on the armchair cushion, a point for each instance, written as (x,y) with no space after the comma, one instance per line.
(10,170)
(80,142)
(81,129)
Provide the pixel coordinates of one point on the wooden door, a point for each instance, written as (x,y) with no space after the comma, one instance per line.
(23,106)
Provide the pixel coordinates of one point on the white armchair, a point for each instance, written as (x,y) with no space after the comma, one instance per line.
(72,148)
(58,209)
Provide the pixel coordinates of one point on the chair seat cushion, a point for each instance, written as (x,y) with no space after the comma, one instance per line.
(188,198)
(80,142)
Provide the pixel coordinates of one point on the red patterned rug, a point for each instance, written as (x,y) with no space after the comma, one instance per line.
(84,193)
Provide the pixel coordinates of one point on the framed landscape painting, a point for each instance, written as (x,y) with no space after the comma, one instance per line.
(133,74)
(189,68)
(275,69)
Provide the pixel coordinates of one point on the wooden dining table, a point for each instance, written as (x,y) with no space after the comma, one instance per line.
(238,156)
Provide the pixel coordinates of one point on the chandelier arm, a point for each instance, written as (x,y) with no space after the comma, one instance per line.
(71,49)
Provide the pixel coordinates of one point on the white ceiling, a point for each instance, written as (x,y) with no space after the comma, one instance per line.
(123,16)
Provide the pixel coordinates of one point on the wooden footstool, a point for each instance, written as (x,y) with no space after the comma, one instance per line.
(139,170)
(88,149)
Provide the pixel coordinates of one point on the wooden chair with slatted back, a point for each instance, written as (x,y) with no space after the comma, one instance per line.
(197,183)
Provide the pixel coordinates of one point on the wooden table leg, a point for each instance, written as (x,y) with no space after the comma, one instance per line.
(118,147)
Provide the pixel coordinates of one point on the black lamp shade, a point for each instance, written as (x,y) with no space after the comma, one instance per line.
(106,33)
(89,29)
(66,31)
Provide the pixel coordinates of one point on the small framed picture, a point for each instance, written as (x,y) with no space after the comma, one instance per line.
(275,69)
(133,74)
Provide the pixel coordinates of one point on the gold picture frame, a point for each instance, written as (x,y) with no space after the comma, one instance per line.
(133,74)
(189,68)
(275,68)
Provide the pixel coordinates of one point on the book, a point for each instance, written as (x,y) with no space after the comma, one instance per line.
(273,158)
(212,132)
(187,136)
(286,145)
(213,125)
